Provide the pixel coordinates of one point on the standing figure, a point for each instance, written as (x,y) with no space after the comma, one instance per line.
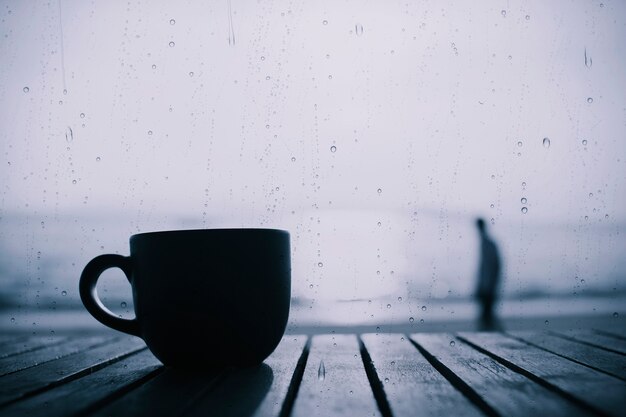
(488,277)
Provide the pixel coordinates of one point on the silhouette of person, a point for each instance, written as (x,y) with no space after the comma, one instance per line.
(488,277)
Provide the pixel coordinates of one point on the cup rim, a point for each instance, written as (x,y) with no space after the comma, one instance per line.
(208,231)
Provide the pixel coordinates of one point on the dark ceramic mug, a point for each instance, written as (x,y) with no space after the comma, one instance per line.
(203,298)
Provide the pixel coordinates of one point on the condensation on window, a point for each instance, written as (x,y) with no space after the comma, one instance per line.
(375,132)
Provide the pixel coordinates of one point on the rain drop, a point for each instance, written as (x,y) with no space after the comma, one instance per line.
(452,343)
(293,159)
(69,134)
(379,190)
(411,319)
(82,115)
(503,13)
(97,159)
(615,315)
(400,299)
(584,142)
(123,304)
(320,264)
(491,206)
(388,305)
(26,89)
(546,142)
(325,22)
(421,320)
(12,319)
(358,29)
(172,44)
(386,380)
(527,17)
(523,200)
(191,73)
(149,132)
(546,322)
(63,293)
(172,22)
(589,100)
(519,143)
(333,149)
(321,371)
(423,308)
(524,210)
(153,66)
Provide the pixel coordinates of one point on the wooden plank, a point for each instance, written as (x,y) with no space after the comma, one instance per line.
(80,395)
(597,391)
(27,344)
(504,391)
(616,333)
(167,394)
(334,380)
(39,378)
(412,385)
(595,339)
(48,353)
(608,362)
(258,391)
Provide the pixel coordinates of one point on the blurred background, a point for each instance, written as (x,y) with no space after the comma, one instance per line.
(374,131)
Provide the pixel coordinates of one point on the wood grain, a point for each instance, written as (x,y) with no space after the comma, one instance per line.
(343,388)
(411,384)
(597,391)
(505,391)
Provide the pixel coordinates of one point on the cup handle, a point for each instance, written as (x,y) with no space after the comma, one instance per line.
(89,295)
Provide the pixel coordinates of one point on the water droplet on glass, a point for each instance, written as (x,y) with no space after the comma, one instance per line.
(546,142)
(123,304)
(589,100)
(388,305)
(386,380)
(358,29)
(523,200)
(69,134)
(149,132)
(293,159)
(191,73)
(399,298)
(12,319)
(493,177)
(321,371)
(153,66)
(63,293)
(333,149)
(325,22)
(523,184)
(411,319)
(97,159)
(590,194)
(320,264)
(519,143)
(311,286)
(452,343)
(546,322)
(423,308)
(503,13)
(491,206)
(262,58)
(421,320)
(584,142)
(172,22)
(74,182)
(379,190)
(527,17)
(82,115)
(26,89)
(524,210)
(615,315)
(172,44)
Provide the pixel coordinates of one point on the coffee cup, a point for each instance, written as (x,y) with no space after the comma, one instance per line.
(202,298)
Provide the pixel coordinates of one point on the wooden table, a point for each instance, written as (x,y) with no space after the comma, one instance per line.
(465,374)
